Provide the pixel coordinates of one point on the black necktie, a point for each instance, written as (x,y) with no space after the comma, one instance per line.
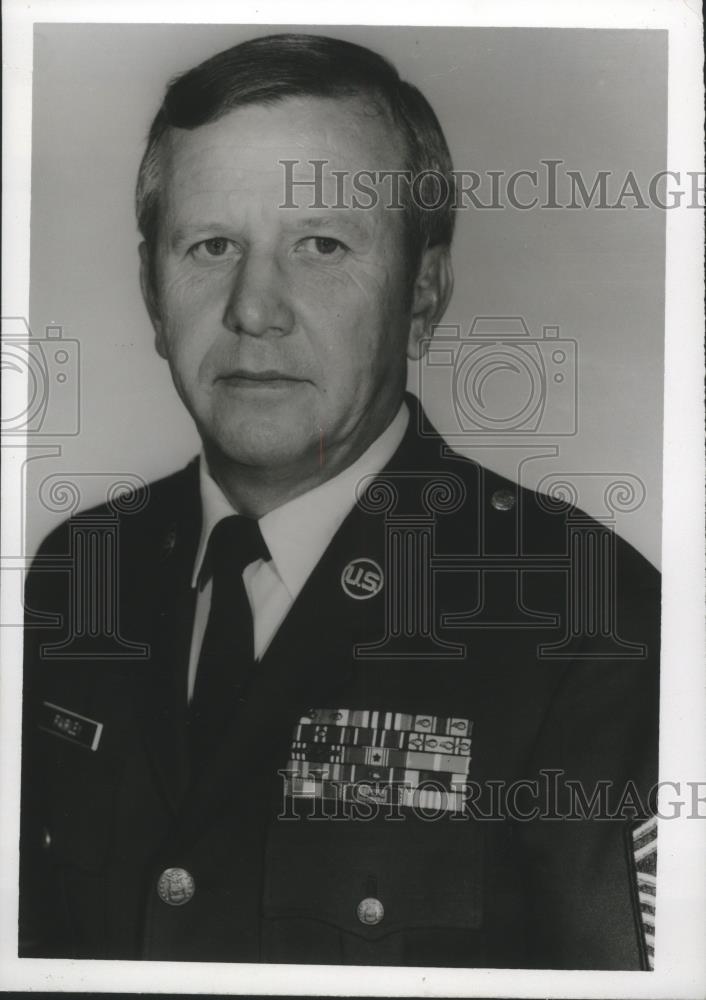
(227,656)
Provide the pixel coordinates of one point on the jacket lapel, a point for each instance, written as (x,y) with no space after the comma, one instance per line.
(162,695)
(309,662)
(312,659)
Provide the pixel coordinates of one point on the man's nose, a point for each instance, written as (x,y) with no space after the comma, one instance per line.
(257,303)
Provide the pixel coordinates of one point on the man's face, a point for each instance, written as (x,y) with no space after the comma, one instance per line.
(286,329)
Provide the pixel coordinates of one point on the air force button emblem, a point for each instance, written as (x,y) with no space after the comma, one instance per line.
(503,499)
(362,578)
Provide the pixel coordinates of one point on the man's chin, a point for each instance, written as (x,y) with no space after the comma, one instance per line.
(266,445)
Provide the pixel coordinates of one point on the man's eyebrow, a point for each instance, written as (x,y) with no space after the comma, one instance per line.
(188,231)
(341,219)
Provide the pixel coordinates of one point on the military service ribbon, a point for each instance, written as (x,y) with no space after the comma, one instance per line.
(349,754)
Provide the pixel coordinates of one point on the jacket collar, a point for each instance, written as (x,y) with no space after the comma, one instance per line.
(298,533)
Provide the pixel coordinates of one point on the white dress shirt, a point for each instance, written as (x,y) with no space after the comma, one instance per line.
(297,535)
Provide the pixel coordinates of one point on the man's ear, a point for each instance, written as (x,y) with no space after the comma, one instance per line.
(432,291)
(150,298)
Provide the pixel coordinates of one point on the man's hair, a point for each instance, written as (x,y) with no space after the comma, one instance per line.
(269,69)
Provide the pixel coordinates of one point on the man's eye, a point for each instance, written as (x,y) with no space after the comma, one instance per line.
(217,246)
(324,246)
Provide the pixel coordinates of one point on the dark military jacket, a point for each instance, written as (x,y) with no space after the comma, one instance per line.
(458,629)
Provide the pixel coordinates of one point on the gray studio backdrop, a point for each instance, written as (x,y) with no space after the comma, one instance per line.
(507,99)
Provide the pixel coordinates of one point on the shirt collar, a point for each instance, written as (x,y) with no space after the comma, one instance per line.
(296,537)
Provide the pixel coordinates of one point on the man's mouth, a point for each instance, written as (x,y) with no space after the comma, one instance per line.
(268,378)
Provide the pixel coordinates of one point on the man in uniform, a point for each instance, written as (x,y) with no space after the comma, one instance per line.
(351,717)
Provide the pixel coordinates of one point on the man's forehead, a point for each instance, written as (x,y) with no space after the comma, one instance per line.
(352,133)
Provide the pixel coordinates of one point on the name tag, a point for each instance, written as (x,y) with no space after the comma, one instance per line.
(70,726)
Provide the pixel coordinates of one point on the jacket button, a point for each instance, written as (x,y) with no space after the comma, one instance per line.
(176,886)
(370,911)
(503,499)
(46,838)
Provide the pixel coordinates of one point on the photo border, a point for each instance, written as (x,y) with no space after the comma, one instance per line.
(680,960)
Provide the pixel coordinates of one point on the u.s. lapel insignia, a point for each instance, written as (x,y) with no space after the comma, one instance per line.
(362,578)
